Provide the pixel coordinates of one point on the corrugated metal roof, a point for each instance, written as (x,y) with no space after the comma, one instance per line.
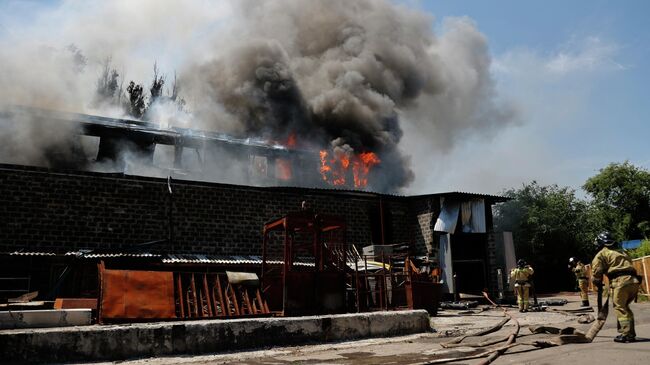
(172,258)
(85,254)
(496,198)
(31,253)
(360,192)
(210,259)
(112,254)
(225,260)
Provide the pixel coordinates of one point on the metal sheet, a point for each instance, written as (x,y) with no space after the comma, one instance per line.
(423,295)
(246,278)
(448,217)
(446,264)
(478,216)
(132,295)
(466,216)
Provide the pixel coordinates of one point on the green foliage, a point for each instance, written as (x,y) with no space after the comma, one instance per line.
(549,225)
(136,99)
(642,250)
(621,198)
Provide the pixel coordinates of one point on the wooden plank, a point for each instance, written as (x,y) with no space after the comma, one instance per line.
(188,300)
(24,298)
(206,294)
(254,306)
(645,274)
(247,301)
(263,305)
(179,292)
(224,306)
(233,296)
(75,303)
(196,304)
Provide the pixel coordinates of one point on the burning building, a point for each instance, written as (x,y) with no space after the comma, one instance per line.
(144,148)
(53,218)
(311,98)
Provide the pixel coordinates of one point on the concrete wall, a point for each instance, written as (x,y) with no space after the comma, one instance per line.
(44,318)
(52,210)
(157,339)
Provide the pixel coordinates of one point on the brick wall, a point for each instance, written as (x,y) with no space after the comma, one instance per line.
(492,263)
(425,211)
(43,210)
(52,210)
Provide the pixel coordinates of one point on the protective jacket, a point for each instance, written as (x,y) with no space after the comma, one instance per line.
(580,271)
(625,286)
(521,276)
(616,265)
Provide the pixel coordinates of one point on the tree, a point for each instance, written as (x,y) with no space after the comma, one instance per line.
(175,91)
(549,225)
(107,84)
(157,84)
(157,96)
(621,199)
(136,99)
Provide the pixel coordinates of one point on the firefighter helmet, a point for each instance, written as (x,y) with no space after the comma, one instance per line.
(604,239)
(573,261)
(521,263)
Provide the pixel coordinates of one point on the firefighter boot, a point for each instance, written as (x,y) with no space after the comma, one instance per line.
(624,338)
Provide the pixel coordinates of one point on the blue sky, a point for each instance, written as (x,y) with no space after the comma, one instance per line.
(578,71)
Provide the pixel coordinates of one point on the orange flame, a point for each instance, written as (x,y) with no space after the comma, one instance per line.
(290,143)
(335,170)
(291,140)
(324,167)
(362,166)
(283,169)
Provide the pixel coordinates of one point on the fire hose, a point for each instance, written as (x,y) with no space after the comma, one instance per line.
(566,335)
(491,354)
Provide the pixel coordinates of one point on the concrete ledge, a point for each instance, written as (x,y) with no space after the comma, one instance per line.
(117,342)
(44,318)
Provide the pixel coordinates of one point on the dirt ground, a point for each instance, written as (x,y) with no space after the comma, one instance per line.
(423,348)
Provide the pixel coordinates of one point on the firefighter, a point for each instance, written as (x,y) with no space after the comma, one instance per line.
(623,282)
(521,277)
(580,270)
